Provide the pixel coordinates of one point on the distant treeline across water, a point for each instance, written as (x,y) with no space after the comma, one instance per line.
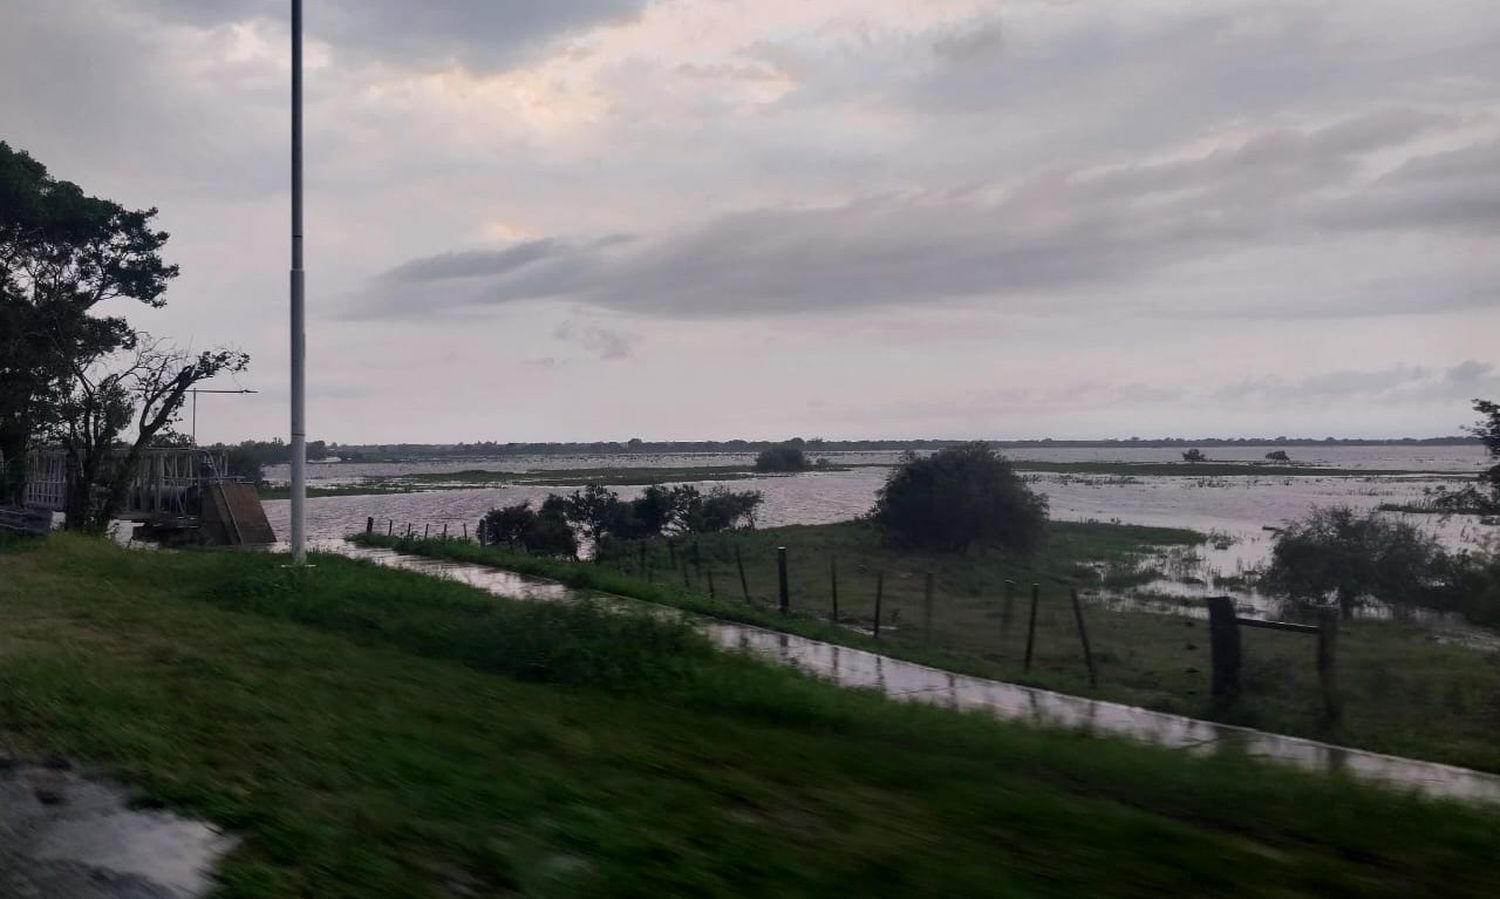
(488,449)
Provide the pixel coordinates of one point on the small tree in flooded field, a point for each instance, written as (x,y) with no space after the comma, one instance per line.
(1194,455)
(1341,556)
(787,456)
(544,531)
(1278,456)
(958,497)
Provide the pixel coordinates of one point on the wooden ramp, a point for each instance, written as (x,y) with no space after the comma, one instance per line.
(232,516)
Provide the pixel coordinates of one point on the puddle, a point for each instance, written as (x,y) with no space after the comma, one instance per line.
(63,835)
(911,682)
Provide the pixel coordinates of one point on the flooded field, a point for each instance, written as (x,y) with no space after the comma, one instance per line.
(1237,509)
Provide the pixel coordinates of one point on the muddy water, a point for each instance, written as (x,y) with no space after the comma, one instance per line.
(918,683)
(67,836)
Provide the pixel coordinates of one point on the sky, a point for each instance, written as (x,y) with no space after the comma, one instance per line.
(697,219)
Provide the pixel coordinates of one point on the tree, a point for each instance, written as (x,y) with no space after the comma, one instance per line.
(694,512)
(1194,455)
(1488,432)
(62,253)
(544,531)
(145,390)
(1346,557)
(786,456)
(957,497)
(1278,456)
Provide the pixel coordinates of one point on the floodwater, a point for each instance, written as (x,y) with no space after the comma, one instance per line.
(64,835)
(1236,509)
(911,682)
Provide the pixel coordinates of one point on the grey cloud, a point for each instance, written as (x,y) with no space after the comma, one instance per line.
(1053,232)
(606,343)
(476,33)
(1398,384)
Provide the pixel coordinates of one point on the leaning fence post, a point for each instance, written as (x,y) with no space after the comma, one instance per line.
(740,564)
(1328,633)
(445,530)
(426,530)
(927,609)
(1036,595)
(390,526)
(466,531)
(879,592)
(833,583)
(1224,647)
(370,524)
(784,600)
(1083,635)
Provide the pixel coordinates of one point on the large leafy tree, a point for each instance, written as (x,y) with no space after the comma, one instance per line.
(62,254)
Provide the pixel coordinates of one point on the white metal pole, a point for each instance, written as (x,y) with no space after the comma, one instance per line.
(299,339)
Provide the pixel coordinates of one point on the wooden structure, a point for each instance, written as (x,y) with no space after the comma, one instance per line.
(178,495)
(1224,639)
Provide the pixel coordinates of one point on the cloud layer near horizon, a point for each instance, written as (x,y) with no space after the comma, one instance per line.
(959,218)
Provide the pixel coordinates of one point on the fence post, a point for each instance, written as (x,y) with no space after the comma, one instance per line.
(685,583)
(740,564)
(1328,633)
(1036,595)
(466,531)
(697,559)
(672,551)
(426,530)
(445,530)
(1083,635)
(408,530)
(642,547)
(833,583)
(390,526)
(879,592)
(784,600)
(370,524)
(1224,646)
(712,593)
(927,609)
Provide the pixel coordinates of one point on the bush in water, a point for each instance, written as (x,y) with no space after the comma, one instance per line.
(783,457)
(544,532)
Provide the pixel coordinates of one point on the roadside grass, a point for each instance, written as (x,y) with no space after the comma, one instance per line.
(359,731)
(1405,691)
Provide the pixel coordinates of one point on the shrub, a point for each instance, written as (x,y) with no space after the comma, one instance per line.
(544,532)
(1194,455)
(1348,557)
(957,497)
(1278,456)
(783,457)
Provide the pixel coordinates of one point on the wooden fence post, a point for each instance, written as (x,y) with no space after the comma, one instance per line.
(927,609)
(1224,646)
(390,526)
(879,592)
(1083,635)
(833,583)
(740,564)
(784,599)
(642,548)
(445,530)
(370,524)
(466,531)
(697,559)
(1328,633)
(685,583)
(672,552)
(712,593)
(1036,595)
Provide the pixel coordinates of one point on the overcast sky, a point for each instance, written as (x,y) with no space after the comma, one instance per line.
(597,219)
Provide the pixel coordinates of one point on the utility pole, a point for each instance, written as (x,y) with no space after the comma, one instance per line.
(299,338)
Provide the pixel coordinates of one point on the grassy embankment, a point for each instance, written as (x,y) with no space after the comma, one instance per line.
(375,733)
(1404,691)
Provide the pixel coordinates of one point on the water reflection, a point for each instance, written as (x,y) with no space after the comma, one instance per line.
(911,682)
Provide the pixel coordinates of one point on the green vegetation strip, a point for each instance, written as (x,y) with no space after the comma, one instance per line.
(376,733)
(1404,692)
